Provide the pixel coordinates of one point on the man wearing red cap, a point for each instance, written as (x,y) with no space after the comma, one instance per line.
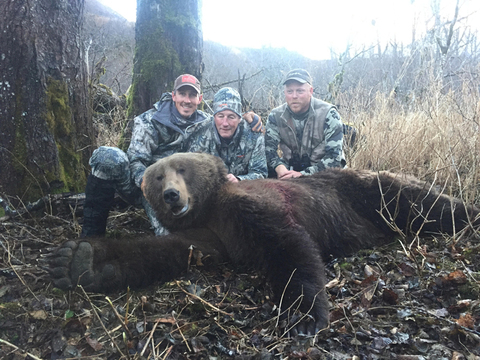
(157,133)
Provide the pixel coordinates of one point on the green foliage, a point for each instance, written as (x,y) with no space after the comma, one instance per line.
(57,292)
(346,266)
(69,314)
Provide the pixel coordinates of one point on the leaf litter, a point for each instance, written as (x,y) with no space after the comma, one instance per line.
(395,302)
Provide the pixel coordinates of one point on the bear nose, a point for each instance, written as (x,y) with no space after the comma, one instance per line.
(171,196)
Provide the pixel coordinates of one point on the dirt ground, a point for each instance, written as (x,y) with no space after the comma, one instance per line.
(415,299)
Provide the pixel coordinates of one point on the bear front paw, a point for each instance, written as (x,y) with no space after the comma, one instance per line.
(72,264)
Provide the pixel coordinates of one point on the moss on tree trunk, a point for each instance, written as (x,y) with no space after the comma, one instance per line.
(46,132)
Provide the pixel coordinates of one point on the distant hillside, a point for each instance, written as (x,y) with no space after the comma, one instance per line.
(110,43)
(97,8)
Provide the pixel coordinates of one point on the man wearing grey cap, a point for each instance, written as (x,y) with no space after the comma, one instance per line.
(308,131)
(229,137)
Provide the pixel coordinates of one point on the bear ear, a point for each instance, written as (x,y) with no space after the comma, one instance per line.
(220,167)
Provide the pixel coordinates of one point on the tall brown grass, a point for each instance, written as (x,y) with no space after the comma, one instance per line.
(435,137)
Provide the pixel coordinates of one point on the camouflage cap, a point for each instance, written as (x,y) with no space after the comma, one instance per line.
(227,98)
(187,80)
(300,75)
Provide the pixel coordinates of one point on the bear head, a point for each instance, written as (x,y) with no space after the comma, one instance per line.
(181,188)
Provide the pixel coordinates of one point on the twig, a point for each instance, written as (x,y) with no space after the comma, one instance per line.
(281,298)
(119,317)
(190,253)
(150,337)
(203,301)
(18,275)
(101,323)
(168,352)
(234,81)
(181,333)
(17,348)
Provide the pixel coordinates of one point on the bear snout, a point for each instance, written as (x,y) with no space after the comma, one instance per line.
(171,196)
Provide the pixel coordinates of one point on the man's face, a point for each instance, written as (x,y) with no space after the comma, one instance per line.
(298,96)
(226,122)
(186,100)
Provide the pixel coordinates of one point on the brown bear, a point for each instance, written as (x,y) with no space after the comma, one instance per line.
(283,227)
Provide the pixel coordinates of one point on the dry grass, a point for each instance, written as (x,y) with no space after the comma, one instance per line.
(110,126)
(436,139)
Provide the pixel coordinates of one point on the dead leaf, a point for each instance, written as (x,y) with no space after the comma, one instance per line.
(453,279)
(369,280)
(457,277)
(406,269)
(390,296)
(467,321)
(39,314)
(94,344)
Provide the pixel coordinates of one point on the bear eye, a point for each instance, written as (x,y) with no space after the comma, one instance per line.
(181,171)
(159,178)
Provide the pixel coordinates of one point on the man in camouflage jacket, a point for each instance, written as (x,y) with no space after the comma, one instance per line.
(308,131)
(229,137)
(157,133)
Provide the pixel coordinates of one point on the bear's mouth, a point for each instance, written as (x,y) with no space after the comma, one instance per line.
(178,211)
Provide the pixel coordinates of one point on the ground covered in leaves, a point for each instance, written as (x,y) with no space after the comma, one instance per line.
(419,300)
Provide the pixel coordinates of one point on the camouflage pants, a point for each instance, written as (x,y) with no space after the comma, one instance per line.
(110,163)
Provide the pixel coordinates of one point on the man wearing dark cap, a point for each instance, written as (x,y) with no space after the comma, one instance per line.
(308,131)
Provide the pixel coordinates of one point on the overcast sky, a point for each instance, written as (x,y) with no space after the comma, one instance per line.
(314,27)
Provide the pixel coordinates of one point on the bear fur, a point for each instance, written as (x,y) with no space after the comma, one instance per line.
(285,228)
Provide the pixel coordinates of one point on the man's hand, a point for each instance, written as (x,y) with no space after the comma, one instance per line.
(283,173)
(232,178)
(257,121)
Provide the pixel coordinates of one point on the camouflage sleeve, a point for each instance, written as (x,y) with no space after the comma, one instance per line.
(199,137)
(272,139)
(257,166)
(334,156)
(145,140)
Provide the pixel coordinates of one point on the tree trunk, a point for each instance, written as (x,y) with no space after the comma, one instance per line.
(46,131)
(169,42)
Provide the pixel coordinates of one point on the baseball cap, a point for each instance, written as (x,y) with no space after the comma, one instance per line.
(187,80)
(300,75)
(227,98)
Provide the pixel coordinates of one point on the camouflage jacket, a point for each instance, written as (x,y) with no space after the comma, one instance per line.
(322,138)
(244,156)
(157,133)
